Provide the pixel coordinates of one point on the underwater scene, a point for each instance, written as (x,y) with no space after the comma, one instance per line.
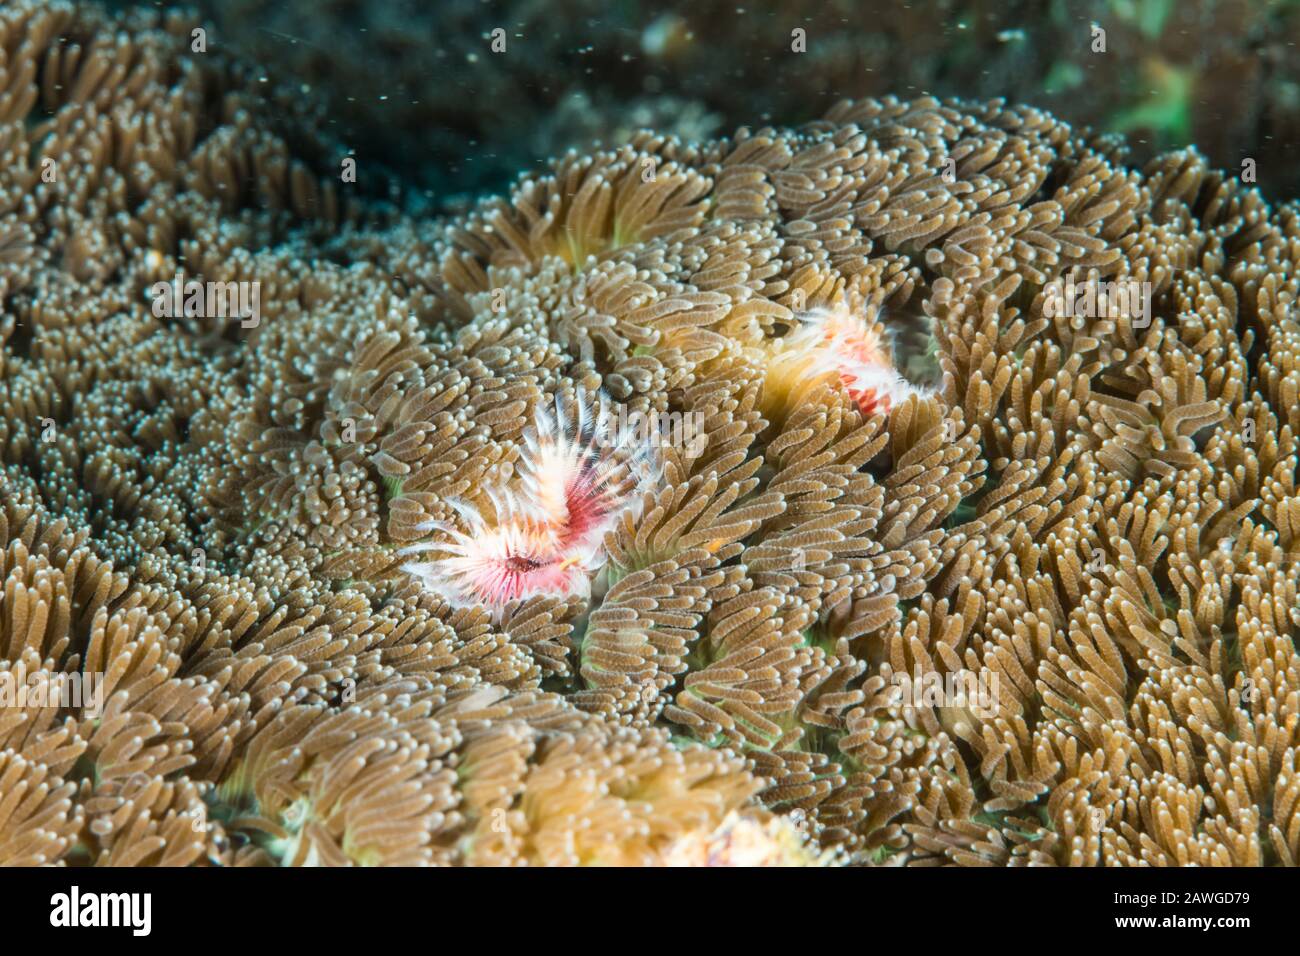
(560,433)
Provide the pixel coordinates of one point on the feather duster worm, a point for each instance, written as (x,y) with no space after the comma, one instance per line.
(577,476)
(512,555)
(839,343)
(582,471)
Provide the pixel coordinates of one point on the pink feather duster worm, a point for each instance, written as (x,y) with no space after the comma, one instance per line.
(576,478)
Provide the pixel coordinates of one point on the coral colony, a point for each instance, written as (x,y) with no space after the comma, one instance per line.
(913,487)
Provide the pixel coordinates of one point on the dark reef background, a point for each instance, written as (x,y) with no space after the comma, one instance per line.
(416,85)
